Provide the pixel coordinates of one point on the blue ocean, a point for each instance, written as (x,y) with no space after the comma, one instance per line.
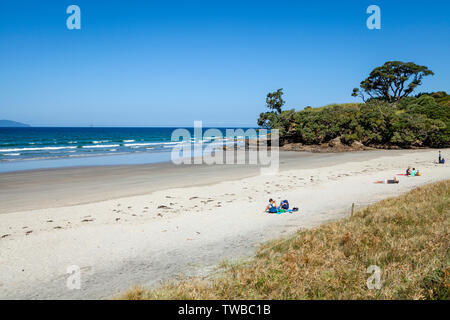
(48,147)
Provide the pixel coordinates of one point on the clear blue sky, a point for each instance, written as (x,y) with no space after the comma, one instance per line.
(149,63)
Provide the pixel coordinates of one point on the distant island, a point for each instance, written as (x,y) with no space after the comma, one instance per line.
(9,124)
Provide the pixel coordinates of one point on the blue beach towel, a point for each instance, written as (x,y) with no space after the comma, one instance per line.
(280,211)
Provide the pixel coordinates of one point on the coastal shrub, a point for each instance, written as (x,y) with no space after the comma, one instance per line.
(421,121)
(319,126)
(375,122)
(441,97)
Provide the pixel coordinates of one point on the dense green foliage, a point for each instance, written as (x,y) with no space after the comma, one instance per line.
(392,81)
(423,120)
(390,117)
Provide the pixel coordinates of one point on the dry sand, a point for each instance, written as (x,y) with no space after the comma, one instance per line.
(109,220)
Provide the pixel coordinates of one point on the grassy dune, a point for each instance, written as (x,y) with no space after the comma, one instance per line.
(408,237)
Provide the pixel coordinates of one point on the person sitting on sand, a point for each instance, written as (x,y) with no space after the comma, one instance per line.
(272,206)
(387,181)
(408,171)
(284,205)
(441,160)
(413,172)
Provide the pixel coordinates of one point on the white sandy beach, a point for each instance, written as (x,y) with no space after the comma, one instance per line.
(119,237)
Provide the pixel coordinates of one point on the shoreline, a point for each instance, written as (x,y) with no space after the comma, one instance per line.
(188,230)
(119,159)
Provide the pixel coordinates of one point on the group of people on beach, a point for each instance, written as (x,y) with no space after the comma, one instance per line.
(412,172)
(283,207)
(409,173)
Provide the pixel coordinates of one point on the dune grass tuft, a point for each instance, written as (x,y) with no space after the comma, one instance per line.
(407,237)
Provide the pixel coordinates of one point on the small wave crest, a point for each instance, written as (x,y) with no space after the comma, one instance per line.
(102,146)
(36,149)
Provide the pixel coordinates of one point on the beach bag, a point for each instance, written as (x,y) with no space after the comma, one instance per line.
(284,204)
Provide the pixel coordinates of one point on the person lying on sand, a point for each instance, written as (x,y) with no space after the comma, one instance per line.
(386,181)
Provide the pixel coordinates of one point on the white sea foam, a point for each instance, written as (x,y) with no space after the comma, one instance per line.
(35,149)
(148,144)
(102,146)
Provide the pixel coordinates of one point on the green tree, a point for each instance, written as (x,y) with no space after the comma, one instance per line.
(392,81)
(274,100)
(271,119)
(267,120)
